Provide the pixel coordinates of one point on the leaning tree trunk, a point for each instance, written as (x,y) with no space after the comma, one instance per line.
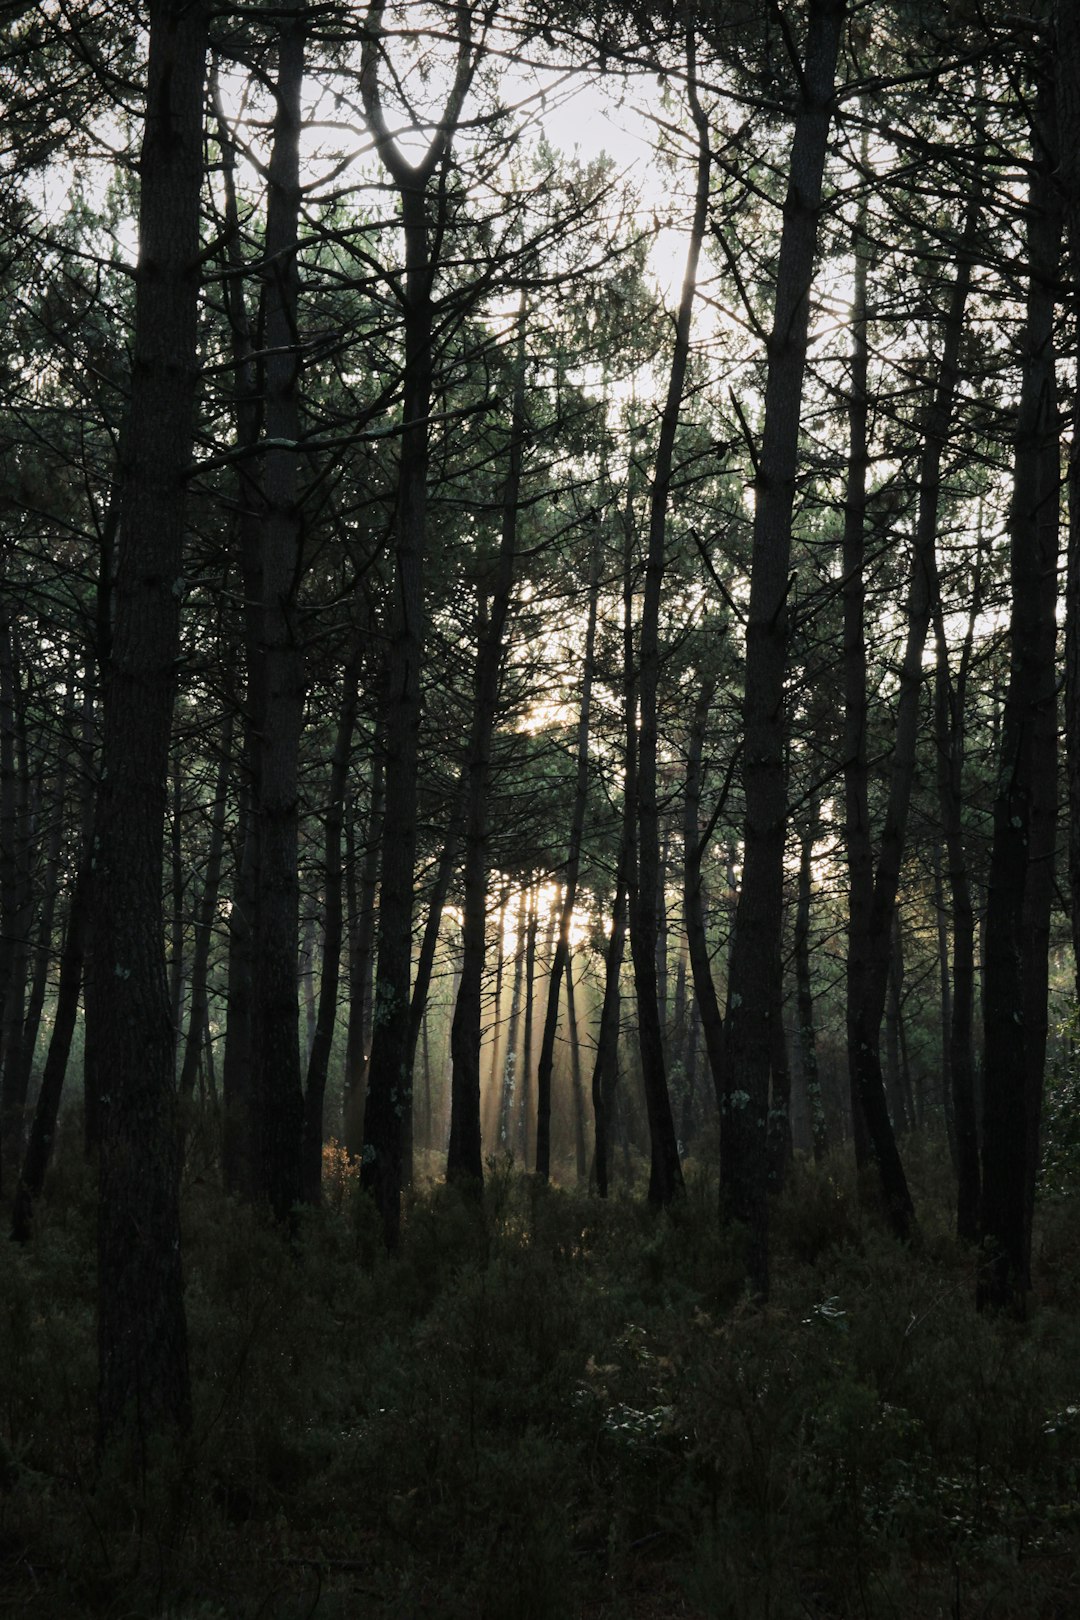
(142,1335)
(755,967)
(1022,855)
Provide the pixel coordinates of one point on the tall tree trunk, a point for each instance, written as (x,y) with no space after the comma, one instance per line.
(573,865)
(22,1057)
(754,974)
(606,1063)
(239,1114)
(494,1086)
(333,902)
(712,1023)
(465,1164)
(804,988)
(950,700)
(531,928)
(142,1334)
(177,887)
(17,886)
(1022,857)
(361,955)
(581,1158)
(665,1173)
(65,1013)
(870,937)
(1067,57)
(389,1091)
(207,911)
(275,1047)
(509,1076)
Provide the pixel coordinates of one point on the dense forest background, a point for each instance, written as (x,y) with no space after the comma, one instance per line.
(539,808)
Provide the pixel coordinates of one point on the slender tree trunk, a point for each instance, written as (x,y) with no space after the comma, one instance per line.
(531,930)
(494,1087)
(18,902)
(804,988)
(560,965)
(275,1046)
(871,926)
(326,1017)
(950,700)
(665,1175)
(1022,856)
(65,1014)
(177,887)
(465,1164)
(1067,56)
(361,959)
(606,1063)
(581,1158)
(754,974)
(142,1334)
(509,1077)
(239,1142)
(47,1109)
(712,1023)
(389,1093)
(207,912)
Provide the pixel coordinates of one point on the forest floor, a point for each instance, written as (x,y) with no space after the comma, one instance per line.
(563,1409)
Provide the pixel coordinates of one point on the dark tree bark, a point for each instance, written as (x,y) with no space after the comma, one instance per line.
(65,1014)
(238,1144)
(333,905)
(754,975)
(532,926)
(509,1076)
(361,900)
(276,1093)
(708,1005)
(873,905)
(606,1064)
(581,1158)
(207,911)
(47,1108)
(804,988)
(23,1060)
(465,1164)
(142,1334)
(1025,805)
(958,1015)
(1067,56)
(389,1091)
(20,810)
(560,965)
(177,887)
(665,1173)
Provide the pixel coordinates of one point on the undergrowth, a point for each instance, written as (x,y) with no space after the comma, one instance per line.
(560,1408)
